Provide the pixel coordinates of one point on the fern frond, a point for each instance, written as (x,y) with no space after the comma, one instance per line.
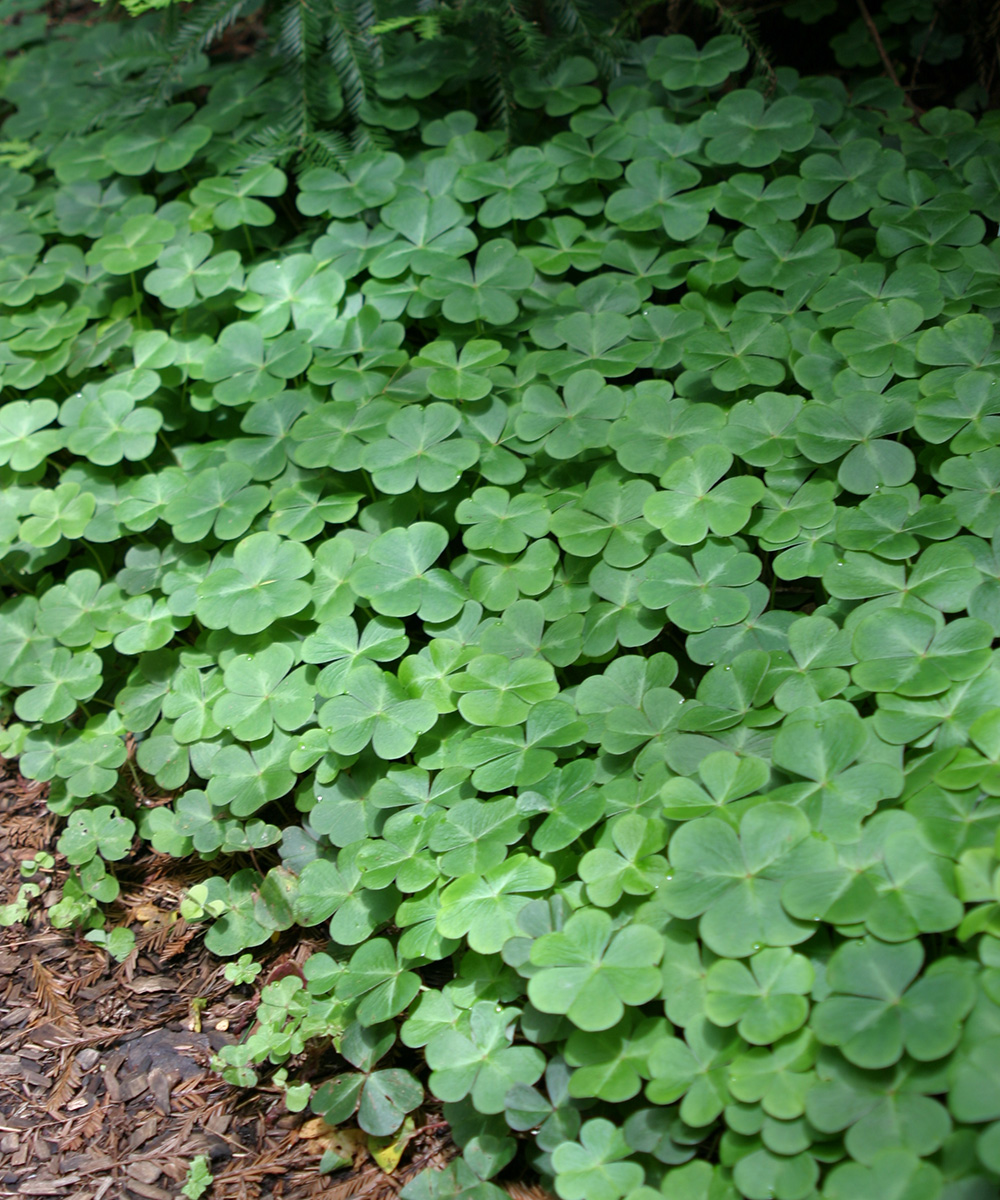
(579,23)
(276,143)
(334,146)
(299,46)
(731,17)
(162,71)
(206,25)
(350,49)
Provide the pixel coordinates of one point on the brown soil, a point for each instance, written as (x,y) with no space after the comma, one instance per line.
(105,1091)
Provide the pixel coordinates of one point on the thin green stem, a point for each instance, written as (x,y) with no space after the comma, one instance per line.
(19,586)
(97,559)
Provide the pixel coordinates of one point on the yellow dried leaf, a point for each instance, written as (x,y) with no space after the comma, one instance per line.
(387,1151)
(348,1144)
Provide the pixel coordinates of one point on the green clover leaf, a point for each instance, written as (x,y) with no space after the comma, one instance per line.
(137,244)
(660,196)
(376,709)
(263,584)
(873,1013)
(484,908)
(481,1062)
(743,129)
(590,973)
(487,290)
(695,501)
(110,427)
(420,451)
(747,351)
(63,512)
(514,186)
(55,685)
(591,1169)
(678,63)
(96,831)
(245,370)
(702,591)
(733,882)
(915,655)
(232,198)
(397,577)
(260,693)
(189,269)
(165,141)
(765,995)
(578,420)
(379,981)
(457,375)
(500,691)
(217,500)
(25,440)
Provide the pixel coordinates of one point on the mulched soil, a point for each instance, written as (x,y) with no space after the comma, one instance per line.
(105,1091)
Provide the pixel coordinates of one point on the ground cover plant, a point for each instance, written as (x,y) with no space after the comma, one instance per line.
(566,571)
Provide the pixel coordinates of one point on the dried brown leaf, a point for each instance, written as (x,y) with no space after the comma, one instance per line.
(51,993)
(65,1086)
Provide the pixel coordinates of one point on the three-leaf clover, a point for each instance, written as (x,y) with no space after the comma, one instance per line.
(590,972)
(377,709)
(733,881)
(264,583)
(481,1062)
(875,1010)
(697,498)
(765,995)
(260,692)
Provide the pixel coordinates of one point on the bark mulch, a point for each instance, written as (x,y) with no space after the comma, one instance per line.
(105,1090)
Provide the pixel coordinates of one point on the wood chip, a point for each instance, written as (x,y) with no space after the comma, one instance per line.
(143,1170)
(148,1190)
(87,1163)
(88,1058)
(45,1187)
(151,983)
(145,1131)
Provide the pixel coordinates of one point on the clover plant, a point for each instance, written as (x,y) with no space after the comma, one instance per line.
(565,573)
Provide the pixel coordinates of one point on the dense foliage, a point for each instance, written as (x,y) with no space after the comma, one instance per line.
(567,572)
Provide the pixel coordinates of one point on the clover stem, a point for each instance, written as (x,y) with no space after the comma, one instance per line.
(166,445)
(20,587)
(96,557)
(368,484)
(249,241)
(812,217)
(136,298)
